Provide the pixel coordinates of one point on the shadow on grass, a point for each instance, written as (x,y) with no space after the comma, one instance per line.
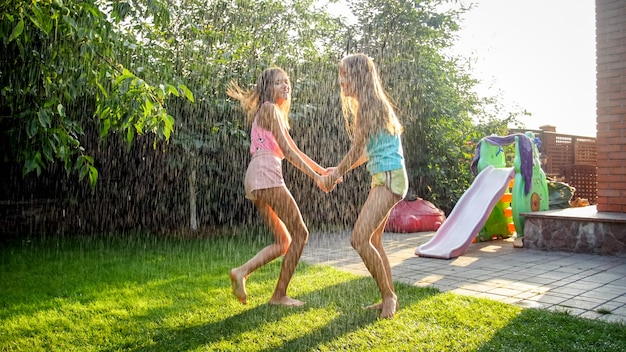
(140,286)
(347,316)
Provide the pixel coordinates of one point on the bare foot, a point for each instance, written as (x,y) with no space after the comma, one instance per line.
(379,306)
(389,307)
(286,301)
(238,282)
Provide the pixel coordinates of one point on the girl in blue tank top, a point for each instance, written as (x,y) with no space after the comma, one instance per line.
(375,133)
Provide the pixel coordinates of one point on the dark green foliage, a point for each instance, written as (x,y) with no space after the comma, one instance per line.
(65,67)
(131,96)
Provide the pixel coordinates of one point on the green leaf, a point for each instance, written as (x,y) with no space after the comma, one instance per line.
(32,128)
(104,92)
(104,115)
(61,110)
(130,134)
(188,93)
(93,176)
(49,103)
(169,126)
(83,170)
(44,118)
(172,90)
(147,108)
(17,30)
(104,129)
(39,21)
(125,75)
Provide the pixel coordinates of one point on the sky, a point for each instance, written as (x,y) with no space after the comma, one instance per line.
(534,55)
(537,55)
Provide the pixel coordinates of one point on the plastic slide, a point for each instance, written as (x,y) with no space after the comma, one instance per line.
(469,214)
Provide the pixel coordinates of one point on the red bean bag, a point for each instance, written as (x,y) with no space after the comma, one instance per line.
(417,215)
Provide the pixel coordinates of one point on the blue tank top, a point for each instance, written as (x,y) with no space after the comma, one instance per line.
(384,152)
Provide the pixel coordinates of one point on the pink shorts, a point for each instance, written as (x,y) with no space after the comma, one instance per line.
(264,171)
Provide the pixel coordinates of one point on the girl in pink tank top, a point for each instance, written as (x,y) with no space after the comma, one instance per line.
(264,184)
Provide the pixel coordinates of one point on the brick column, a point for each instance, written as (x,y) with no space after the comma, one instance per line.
(611,104)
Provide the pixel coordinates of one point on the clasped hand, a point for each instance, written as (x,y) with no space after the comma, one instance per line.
(329,180)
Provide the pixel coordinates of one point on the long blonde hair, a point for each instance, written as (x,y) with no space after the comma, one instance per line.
(370,110)
(252,99)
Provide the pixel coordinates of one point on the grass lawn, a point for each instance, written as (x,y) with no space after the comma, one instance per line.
(146,293)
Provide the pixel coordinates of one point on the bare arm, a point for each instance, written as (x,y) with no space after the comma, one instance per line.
(362,160)
(354,158)
(312,164)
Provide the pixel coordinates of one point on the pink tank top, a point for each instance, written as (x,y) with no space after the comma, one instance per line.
(263,140)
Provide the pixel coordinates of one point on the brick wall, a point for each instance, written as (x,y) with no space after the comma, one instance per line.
(611,104)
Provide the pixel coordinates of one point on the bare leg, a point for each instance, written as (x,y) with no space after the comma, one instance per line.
(378,245)
(372,219)
(282,239)
(285,207)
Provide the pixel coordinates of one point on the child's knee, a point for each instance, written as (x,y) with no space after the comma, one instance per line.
(284,247)
(358,243)
(301,236)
